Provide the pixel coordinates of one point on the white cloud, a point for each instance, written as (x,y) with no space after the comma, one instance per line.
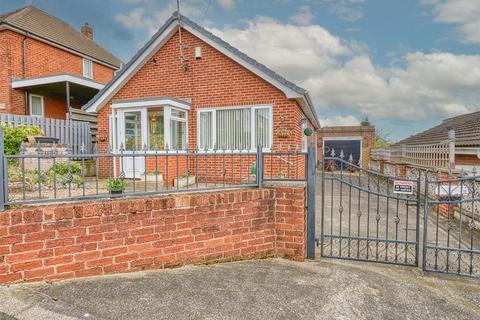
(227,4)
(339,121)
(340,75)
(303,17)
(349,10)
(151,17)
(463,13)
(293,50)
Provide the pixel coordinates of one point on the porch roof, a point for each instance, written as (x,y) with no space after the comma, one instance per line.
(81,89)
(52,79)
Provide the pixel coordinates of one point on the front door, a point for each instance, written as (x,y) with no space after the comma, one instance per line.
(133,138)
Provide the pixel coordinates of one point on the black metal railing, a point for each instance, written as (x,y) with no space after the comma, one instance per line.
(52,173)
(451,226)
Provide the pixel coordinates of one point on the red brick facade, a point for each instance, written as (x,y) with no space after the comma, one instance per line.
(467,160)
(214,81)
(42,59)
(67,241)
(367,133)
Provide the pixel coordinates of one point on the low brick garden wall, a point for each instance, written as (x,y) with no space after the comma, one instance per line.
(66,241)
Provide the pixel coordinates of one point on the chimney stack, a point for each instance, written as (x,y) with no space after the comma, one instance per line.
(87,31)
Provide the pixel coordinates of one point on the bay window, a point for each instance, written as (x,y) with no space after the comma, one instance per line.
(242,128)
(154,126)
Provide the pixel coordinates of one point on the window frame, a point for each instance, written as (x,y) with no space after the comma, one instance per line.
(167,118)
(253,137)
(30,96)
(90,69)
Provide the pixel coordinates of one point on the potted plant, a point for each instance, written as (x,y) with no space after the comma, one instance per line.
(116,185)
(308,132)
(153,176)
(184,180)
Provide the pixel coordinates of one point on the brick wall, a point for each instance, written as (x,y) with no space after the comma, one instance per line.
(67,241)
(211,82)
(467,160)
(42,60)
(366,132)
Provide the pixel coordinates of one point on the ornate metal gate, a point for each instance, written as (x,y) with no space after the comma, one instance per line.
(451,222)
(363,218)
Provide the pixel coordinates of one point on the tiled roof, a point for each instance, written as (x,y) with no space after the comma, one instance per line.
(467,131)
(43,25)
(185,21)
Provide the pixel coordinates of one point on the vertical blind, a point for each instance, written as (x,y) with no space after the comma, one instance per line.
(178,134)
(262,127)
(205,130)
(233,128)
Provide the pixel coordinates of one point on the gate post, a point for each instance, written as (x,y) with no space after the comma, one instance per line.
(311,186)
(425,223)
(259,166)
(2,171)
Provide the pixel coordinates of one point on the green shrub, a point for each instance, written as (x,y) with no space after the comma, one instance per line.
(116,184)
(62,168)
(14,136)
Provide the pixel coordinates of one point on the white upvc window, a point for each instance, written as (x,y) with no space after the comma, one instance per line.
(88,68)
(156,127)
(37,107)
(235,128)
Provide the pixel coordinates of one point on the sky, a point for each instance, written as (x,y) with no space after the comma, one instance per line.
(404,64)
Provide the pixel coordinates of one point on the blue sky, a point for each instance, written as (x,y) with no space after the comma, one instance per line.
(404,64)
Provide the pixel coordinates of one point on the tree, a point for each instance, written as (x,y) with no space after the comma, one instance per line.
(382,140)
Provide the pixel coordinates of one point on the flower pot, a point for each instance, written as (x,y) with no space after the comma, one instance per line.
(116,191)
(183,182)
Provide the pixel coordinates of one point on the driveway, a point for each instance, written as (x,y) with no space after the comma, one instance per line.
(267,289)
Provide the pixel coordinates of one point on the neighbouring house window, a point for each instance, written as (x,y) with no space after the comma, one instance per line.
(156,131)
(88,68)
(235,128)
(36,105)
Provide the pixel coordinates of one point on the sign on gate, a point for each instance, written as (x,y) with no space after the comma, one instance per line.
(403,187)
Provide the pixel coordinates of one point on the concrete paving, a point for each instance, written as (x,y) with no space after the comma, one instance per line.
(267,289)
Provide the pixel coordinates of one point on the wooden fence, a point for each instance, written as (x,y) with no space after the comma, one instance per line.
(73,133)
(91,118)
(440,156)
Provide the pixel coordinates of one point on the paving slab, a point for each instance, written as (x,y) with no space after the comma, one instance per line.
(266,289)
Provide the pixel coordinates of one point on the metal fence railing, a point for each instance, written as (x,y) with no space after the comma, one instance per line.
(55,175)
(74,133)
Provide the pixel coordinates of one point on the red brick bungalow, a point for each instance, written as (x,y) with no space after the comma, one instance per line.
(40,56)
(214,96)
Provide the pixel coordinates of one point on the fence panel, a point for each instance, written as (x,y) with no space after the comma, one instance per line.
(73,133)
(437,156)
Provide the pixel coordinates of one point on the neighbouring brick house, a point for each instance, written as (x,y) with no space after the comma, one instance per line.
(467,139)
(355,142)
(42,58)
(213,97)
